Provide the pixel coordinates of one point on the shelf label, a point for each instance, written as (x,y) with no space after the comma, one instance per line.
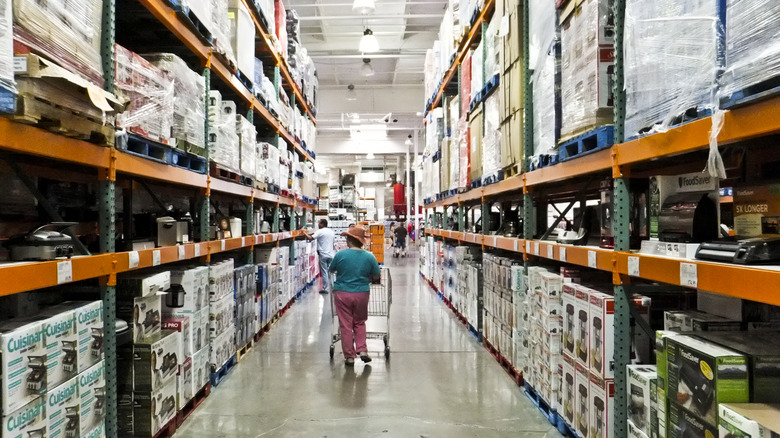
(182,254)
(536,248)
(243,241)
(64,271)
(689,276)
(633,266)
(156,257)
(516,244)
(528,247)
(222,244)
(135,259)
(550,252)
(495,239)
(562,253)
(592,260)
(257,240)
(197,250)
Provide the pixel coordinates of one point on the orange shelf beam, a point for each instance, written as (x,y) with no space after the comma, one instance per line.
(29,140)
(138,166)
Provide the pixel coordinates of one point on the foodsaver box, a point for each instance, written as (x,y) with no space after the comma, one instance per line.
(641,387)
(749,420)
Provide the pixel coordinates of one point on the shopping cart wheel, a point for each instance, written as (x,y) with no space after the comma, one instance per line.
(387,353)
(332,350)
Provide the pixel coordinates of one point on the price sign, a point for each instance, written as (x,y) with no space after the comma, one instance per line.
(156,257)
(135,258)
(257,240)
(689,276)
(516,244)
(633,266)
(222,243)
(182,254)
(528,247)
(550,252)
(536,248)
(197,250)
(562,253)
(64,271)
(495,239)
(592,260)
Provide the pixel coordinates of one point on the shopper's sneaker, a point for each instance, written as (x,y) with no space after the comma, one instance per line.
(365,357)
(350,362)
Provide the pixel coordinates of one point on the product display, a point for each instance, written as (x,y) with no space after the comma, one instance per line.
(144,316)
(642,384)
(62,409)
(748,420)
(156,361)
(153,410)
(28,421)
(92,390)
(23,357)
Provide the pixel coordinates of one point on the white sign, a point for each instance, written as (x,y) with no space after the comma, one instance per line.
(156,257)
(689,276)
(633,266)
(182,254)
(592,260)
(134,259)
(550,252)
(257,240)
(197,250)
(243,241)
(222,243)
(536,248)
(64,271)
(495,239)
(528,247)
(562,253)
(516,244)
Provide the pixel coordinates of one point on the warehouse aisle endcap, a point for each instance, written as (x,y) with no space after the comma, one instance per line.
(439,382)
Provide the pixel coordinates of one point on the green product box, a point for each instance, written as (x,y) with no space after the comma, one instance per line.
(685,424)
(660,363)
(700,375)
(749,420)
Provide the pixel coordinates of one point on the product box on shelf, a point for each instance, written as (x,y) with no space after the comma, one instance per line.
(62,409)
(156,361)
(92,396)
(23,358)
(201,368)
(582,331)
(583,405)
(569,390)
(153,410)
(664,186)
(642,381)
(143,285)
(749,420)
(89,324)
(222,348)
(221,316)
(693,321)
(98,432)
(242,37)
(476,132)
(62,340)
(143,315)
(26,421)
(602,315)
(184,325)
(702,374)
(756,210)
(602,407)
(186,385)
(195,282)
(635,432)
(684,423)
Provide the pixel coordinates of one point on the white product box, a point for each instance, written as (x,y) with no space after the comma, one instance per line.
(186,386)
(62,340)
(195,282)
(143,285)
(97,432)
(602,315)
(602,407)
(242,37)
(89,323)
(222,348)
(27,421)
(62,409)
(748,420)
(220,316)
(635,432)
(143,314)
(569,318)
(641,384)
(569,390)
(552,285)
(583,326)
(183,324)
(23,372)
(156,361)
(201,368)
(92,390)
(153,410)
(583,405)
(694,321)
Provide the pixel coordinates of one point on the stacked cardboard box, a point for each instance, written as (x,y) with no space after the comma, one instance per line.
(544,61)
(221,313)
(509,50)
(498,311)
(223,138)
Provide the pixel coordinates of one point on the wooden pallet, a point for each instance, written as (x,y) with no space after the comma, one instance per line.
(219,171)
(180,158)
(243,351)
(146,148)
(219,375)
(592,141)
(191,148)
(193,404)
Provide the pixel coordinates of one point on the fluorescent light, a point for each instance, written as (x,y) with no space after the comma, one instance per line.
(367,132)
(368,43)
(366,69)
(363,6)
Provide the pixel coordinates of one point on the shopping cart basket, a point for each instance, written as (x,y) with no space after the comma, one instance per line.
(378,323)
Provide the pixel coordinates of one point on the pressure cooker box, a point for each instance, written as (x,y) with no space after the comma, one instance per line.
(602,407)
(156,361)
(701,374)
(62,409)
(749,420)
(23,359)
(195,283)
(641,387)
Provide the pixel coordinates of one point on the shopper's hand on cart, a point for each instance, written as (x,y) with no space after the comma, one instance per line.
(376,279)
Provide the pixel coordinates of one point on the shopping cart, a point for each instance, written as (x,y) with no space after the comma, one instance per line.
(378,323)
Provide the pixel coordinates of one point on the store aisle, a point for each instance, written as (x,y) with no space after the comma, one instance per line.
(439,381)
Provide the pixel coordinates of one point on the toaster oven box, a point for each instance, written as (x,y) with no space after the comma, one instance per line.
(749,420)
(640,390)
(92,401)
(602,407)
(142,285)
(27,421)
(153,409)
(583,404)
(686,424)
(757,210)
(701,374)
(23,355)
(156,361)
(143,316)
(62,409)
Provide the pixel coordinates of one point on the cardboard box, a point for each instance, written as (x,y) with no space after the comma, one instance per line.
(757,210)
(143,285)
(602,407)
(201,368)
(23,372)
(143,315)
(749,420)
(27,421)
(635,432)
(153,410)
(156,361)
(200,330)
(92,400)
(89,323)
(186,386)
(582,325)
(62,343)
(195,282)
(702,374)
(685,424)
(642,385)
(602,346)
(476,133)
(512,140)
(97,432)
(242,36)
(583,405)
(222,348)
(663,186)
(184,326)
(694,321)
(569,389)
(62,409)
(220,316)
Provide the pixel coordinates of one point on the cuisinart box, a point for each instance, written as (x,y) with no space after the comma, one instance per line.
(92,395)
(59,326)
(749,420)
(757,210)
(602,407)
(143,285)
(27,421)
(702,374)
(156,361)
(62,409)
(143,315)
(23,355)
(641,387)
(89,323)
(153,410)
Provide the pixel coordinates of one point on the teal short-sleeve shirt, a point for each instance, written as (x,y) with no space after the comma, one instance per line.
(354,269)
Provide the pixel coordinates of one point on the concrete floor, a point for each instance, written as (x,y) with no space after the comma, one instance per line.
(439,382)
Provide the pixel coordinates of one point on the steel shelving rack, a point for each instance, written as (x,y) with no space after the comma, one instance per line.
(755,120)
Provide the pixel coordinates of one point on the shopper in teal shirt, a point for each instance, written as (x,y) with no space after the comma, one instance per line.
(355,269)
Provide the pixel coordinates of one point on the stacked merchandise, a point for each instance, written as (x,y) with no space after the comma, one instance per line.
(6,52)
(431,73)
(190,317)
(280,17)
(470,290)
(223,138)
(492,160)
(270,157)
(242,39)
(213,14)
(221,313)
(269,281)
(150,93)
(266,8)
(246,318)
(543,46)
(752,55)
(147,368)
(247,146)
(285,166)
(189,109)
(587,65)
(508,49)
(70,35)
(498,319)
(673,59)
(287,273)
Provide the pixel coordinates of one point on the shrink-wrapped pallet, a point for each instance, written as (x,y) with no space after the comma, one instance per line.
(491,141)
(150,93)
(68,32)
(247,142)
(189,89)
(464,154)
(673,56)
(220,29)
(6,46)
(543,63)
(477,70)
(223,138)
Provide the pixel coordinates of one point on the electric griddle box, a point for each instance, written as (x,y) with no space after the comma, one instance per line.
(685,424)
(701,375)
(27,421)
(749,420)
(23,363)
(92,391)
(62,409)
(156,361)
(62,343)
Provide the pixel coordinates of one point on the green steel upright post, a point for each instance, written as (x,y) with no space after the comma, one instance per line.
(528,127)
(620,224)
(275,227)
(250,207)
(204,202)
(461,218)
(445,222)
(486,218)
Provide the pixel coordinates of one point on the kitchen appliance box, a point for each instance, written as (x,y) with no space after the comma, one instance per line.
(92,387)
(61,339)
(26,421)
(185,385)
(153,410)
(749,420)
(61,402)
(570,322)
(98,432)
(201,368)
(222,348)
(220,280)
(685,424)
(757,210)
(583,325)
(183,324)
(569,389)
(602,338)
(695,321)
(641,387)
(143,315)
(700,375)
(195,283)
(663,186)
(156,361)
(23,373)
(220,316)
(583,404)
(635,432)
(602,407)
(89,326)
(661,380)
(143,285)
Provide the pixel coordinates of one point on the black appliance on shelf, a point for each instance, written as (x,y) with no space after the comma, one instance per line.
(47,242)
(69,358)
(753,250)
(36,379)
(688,217)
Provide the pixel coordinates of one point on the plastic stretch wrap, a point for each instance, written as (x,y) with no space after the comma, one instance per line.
(69,32)
(464,153)
(271,156)
(223,138)
(6,46)
(543,63)
(220,29)
(261,167)
(189,109)
(672,61)
(428,70)
(477,73)
(586,68)
(247,142)
(150,93)
(492,50)
(491,143)
(454,163)
(752,44)
(242,37)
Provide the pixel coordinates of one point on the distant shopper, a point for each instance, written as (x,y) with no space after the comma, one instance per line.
(325,238)
(400,240)
(355,269)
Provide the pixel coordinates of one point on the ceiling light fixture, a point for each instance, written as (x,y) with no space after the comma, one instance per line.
(351,94)
(363,6)
(368,42)
(408,141)
(366,69)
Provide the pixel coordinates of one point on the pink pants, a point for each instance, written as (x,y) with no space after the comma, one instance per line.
(352,309)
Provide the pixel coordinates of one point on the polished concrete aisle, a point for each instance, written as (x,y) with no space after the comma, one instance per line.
(439,382)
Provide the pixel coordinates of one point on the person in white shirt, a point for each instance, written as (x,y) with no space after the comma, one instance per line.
(325,238)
